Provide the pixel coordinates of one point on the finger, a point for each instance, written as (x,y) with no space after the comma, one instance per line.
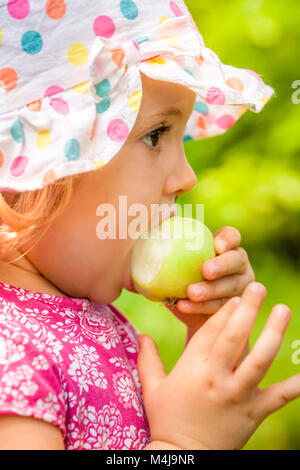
(255,366)
(226,238)
(207,335)
(232,262)
(211,290)
(276,396)
(207,308)
(149,364)
(233,339)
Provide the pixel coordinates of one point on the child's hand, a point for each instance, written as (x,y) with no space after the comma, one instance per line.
(227,275)
(207,401)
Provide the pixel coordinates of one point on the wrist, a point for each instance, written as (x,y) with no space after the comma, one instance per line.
(161,445)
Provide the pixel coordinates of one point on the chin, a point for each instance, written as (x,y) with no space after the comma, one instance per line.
(107,294)
(107,297)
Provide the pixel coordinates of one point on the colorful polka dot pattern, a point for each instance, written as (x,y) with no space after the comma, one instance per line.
(56,9)
(32,42)
(18,9)
(70,83)
(72,149)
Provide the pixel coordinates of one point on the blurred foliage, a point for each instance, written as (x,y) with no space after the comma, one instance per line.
(249,178)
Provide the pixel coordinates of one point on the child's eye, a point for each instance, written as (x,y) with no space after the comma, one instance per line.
(152,139)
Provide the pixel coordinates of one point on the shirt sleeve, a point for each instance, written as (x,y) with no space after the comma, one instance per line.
(30,383)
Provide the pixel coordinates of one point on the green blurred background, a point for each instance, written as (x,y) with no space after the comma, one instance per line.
(249,178)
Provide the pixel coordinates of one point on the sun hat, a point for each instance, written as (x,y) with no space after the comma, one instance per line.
(71,89)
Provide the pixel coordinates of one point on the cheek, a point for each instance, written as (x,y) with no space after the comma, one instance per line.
(134,207)
(123,195)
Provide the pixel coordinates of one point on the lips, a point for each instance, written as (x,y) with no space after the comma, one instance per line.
(162,217)
(130,287)
(128,281)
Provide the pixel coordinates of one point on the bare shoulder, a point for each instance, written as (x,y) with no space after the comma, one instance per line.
(25,433)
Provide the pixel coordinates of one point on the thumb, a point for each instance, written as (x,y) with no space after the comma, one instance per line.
(149,364)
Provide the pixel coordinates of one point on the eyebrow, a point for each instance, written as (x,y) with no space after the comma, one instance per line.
(172,111)
(149,120)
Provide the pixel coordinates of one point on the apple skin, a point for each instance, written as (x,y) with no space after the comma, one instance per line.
(179,265)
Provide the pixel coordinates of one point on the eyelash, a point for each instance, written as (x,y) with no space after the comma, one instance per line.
(157,132)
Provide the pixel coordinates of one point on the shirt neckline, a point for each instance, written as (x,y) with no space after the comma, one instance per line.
(71,302)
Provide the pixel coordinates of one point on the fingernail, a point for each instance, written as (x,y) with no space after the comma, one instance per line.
(185,304)
(213,269)
(258,288)
(236,300)
(282,312)
(198,291)
(222,245)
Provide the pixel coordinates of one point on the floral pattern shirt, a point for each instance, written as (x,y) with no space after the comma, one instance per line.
(73,363)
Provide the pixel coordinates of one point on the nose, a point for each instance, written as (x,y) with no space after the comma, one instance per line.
(183,178)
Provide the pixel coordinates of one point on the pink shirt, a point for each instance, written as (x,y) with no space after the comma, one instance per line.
(73,363)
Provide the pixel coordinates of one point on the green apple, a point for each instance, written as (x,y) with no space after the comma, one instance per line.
(168,258)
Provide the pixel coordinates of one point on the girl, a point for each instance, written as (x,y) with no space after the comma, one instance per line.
(84,123)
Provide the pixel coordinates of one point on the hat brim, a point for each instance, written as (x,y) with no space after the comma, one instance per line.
(224,93)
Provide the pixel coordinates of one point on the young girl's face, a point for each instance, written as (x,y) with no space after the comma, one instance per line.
(149,169)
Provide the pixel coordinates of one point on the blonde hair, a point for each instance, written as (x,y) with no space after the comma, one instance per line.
(26,216)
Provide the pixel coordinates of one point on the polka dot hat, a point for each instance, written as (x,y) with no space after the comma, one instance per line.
(70,84)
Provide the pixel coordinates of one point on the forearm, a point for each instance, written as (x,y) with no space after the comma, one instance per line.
(160,445)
